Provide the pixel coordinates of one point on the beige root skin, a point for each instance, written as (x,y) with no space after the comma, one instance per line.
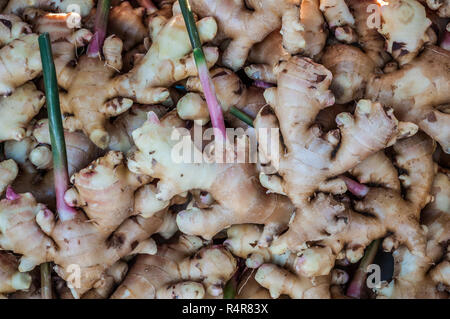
(264,56)
(423,277)
(91,110)
(308,34)
(80,152)
(165,63)
(339,19)
(182,270)
(59,26)
(8,173)
(30,241)
(109,281)
(249,288)
(80,240)
(312,82)
(405,39)
(346,232)
(11,28)
(13,57)
(137,285)
(315,33)
(95,186)
(301,169)
(18,6)
(280,281)
(251,205)
(414,155)
(11,279)
(442,7)
(127,23)
(350,68)
(121,129)
(368,38)
(17,110)
(230,92)
(102,288)
(420,87)
(243,242)
(247,27)
(24,51)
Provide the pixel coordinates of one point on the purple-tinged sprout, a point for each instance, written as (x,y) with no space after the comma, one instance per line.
(101,24)
(262,84)
(445,44)
(357,286)
(11,194)
(355,188)
(215,110)
(153,118)
(61,175)
(206,198)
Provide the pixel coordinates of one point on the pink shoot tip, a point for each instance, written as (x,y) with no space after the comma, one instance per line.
(153,118)
(94,47)
(262,84)
(355,188)
(445,44)
(355,289)
(11,194)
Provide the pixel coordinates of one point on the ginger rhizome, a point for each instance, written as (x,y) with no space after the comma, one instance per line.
(279,45)
(81,7)
(249,288)
(249,203)
(312,163)
(416,92)
(93,239)
(360,139)
(264,56)
(127,23)
(339,19)
(11,279)
(164,64)
(404,25)
(20,58)
(120,131)
(34,158)
(243,242)
(11,28)
(421,87)
(428,277)
(17,110)
(182,270)
(248,27)
(8,173)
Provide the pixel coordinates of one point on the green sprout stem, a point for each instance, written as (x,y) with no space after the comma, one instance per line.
(65,212)
(229,291)
(101,24)
(215,110)
(241,115)
(46,281)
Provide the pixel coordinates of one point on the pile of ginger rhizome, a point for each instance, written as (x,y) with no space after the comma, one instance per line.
(355,95)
